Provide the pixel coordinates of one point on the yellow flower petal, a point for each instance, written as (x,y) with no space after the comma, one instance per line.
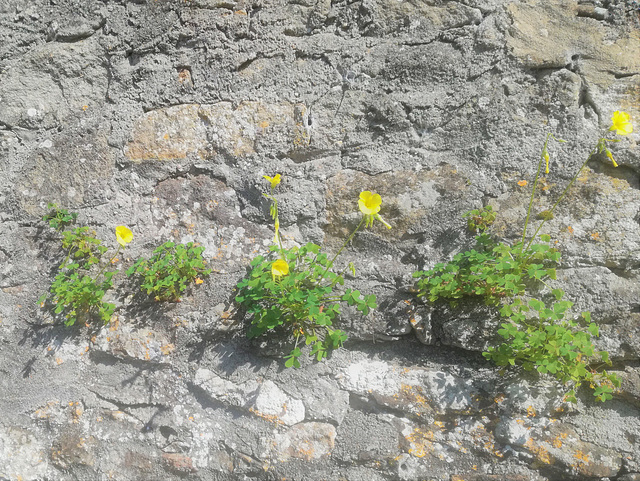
(275,180)
(610,155)
(199,281)
(621,123)
(369,203)
(123,235)
(279,268)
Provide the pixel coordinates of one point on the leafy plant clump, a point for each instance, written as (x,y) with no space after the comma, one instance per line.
(492,271)
(297,290)
(548,340)
(76,293)
(59,218)
(303,300)
(170,270)
(535,337)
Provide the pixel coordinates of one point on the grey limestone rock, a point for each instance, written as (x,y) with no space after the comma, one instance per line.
(164,116)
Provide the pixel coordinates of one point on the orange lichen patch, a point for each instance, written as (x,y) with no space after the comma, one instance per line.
(531,412)
(581,457)
(44,412)
(541,453)
(264,124)
(439,425)
(484,440)
(77,412)
(272,418)
(522,183)
(305,451)
(240,12)
(595,236)
(412,398)
(570,230)
(114,324)
(180,322)
(421,442)
(556,442)
(499,398)
(84,108)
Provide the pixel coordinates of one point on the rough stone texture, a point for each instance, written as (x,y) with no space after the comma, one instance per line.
(164,115)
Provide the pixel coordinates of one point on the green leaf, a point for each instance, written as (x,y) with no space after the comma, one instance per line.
(536,305)
(562,306)
(558,293)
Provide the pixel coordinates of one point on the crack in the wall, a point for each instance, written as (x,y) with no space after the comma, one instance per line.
(123,406)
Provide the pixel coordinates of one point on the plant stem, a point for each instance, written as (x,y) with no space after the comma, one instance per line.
(107,264)
(564,192)
(341,249)
(533,190)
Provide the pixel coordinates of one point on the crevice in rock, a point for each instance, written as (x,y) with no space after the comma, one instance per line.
(123,406)
(109,359)
(585,98)
(75,37)
(590,11)
(620,75)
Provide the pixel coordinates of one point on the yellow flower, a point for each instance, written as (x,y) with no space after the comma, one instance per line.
(546,159)
(123,235)
(369,203)
(621,123)
(199,281)
(279,268)
(275,180)
(610,155)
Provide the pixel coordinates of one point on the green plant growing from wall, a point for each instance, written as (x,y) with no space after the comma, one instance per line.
(168,273)
(59,218)
(535,336)
(76,292)
(297,289)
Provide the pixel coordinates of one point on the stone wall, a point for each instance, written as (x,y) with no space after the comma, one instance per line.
(163,116)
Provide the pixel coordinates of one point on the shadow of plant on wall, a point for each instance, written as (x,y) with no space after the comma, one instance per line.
(537,335)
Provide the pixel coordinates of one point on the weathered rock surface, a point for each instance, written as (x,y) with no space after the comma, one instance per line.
(164,115)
